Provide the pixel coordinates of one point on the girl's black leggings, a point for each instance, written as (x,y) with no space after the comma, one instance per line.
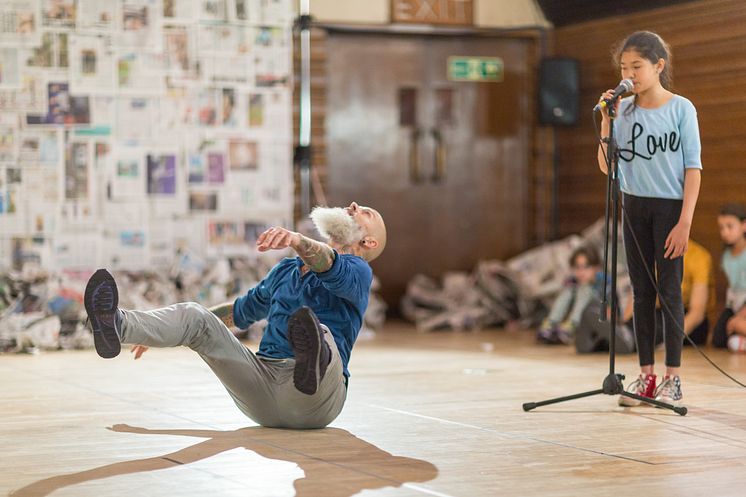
(651,220)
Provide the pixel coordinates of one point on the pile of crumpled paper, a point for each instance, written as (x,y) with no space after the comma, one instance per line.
(518,291)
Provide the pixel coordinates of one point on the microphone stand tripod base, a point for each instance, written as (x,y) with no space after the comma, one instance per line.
(612,386)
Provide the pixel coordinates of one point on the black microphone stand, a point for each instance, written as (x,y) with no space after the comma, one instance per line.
(612,384)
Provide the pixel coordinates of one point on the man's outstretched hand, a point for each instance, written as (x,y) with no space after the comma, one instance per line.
(138,350)
(277,238)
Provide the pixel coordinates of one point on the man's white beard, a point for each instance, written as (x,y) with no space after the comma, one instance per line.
(334,224)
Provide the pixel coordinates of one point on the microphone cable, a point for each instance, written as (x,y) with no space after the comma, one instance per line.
(679,329)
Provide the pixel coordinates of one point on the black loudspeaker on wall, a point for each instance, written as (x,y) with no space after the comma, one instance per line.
(559,85)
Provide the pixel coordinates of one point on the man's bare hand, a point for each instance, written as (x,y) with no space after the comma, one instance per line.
(277,238)
(138,350)
(317,256)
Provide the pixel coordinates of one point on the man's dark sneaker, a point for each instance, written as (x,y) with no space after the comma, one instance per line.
(312,354)
(101,301)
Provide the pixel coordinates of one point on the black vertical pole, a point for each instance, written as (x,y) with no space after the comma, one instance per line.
(614,181)
(303,154)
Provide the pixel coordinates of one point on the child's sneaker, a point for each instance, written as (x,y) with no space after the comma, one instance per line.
(547,333)
(565,332)
(737,343)
(643,386)
(669,391)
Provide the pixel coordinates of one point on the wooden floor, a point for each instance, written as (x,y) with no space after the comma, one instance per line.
(427,415)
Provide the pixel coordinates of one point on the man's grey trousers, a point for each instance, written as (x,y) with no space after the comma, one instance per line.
(262,388)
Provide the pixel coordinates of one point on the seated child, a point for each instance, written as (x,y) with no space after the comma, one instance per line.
(585,285)
(730,329)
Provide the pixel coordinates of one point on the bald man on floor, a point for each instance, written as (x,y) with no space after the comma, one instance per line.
(314,304)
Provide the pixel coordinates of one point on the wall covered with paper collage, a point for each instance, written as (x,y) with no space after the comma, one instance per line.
(130,128)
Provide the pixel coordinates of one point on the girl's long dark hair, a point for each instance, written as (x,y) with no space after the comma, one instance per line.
(651,47)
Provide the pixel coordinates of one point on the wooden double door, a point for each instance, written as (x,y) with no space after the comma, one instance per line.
(445,162)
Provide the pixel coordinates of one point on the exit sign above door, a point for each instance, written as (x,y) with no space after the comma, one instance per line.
(477,69)
(450,12)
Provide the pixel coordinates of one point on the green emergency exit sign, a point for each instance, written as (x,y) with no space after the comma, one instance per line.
(478,69)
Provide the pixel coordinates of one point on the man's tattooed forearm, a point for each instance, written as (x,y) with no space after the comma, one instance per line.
(317,256)
(225,313)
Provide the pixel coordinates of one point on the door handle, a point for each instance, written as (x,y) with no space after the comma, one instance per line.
(439,167)
(414,155)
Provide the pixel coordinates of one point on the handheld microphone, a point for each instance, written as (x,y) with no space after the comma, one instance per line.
(624,86)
